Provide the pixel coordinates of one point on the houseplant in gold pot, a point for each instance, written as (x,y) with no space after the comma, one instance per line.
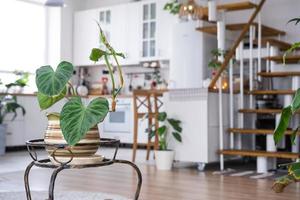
(76,123)
(171,128)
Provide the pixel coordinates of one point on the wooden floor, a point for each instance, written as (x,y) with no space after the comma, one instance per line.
(179,184)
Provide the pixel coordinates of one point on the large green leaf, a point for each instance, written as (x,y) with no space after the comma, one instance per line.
(96,54)
(294,169)
(50,82)
(162,116)
(161,130)
(283,124)
(177,136)
(47,101)
(175,124)
(296,101)
(76,119)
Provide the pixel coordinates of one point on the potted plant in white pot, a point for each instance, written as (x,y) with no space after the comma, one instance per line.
(170,129)
(9,105)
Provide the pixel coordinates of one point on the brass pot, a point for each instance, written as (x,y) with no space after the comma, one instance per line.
(86,147)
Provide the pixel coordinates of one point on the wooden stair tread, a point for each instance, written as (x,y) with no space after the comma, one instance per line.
(278,74)
(266,30)
(256,153)
(257,131)
(282,45)
(261,111)
(290,59)
(272,92)
(237,6)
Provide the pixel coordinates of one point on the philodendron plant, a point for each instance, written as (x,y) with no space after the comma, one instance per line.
(286,116)
(169,125)
(76,119)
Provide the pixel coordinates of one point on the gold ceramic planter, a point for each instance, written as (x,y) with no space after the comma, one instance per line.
(86,147)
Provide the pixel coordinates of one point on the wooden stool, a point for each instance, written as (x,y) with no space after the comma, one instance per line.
(149,101)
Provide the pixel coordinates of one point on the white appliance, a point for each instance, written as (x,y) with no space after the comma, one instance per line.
(119,124)
(190,55)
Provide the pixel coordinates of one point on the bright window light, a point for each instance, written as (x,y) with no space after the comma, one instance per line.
(23,36)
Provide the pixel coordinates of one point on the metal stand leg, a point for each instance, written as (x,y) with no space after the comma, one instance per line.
(26,180)
(139,185)
(52,182)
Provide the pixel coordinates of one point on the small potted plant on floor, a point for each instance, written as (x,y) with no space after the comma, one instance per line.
(9,105)
(171,128)
(76,124)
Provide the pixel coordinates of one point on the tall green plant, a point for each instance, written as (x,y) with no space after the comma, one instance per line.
(170,125)
(286,116)
(8,102)
(75,117)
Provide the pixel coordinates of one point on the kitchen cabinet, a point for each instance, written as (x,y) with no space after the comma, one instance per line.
(156,33)
(138,29)
(85,36)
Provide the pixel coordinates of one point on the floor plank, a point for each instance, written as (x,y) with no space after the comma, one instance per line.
(179,184)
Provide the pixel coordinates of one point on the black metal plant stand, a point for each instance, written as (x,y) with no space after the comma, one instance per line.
(46,163)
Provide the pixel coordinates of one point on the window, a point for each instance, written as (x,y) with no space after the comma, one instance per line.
(23,36)
(149,29)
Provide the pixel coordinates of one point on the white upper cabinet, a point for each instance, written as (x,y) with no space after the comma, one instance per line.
(140,30)
(156,30)
(85,36)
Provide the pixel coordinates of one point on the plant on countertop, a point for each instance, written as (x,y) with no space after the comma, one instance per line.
(173,7)
(214,63)
(8,102)
(169,125)
(286,116)
(76,119)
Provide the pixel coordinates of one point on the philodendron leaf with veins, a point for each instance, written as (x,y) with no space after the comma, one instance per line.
(52,83)
(76,119)
(47,101)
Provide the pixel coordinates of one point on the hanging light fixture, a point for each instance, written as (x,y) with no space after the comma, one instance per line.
(55,3)
(50,3)
(191,10)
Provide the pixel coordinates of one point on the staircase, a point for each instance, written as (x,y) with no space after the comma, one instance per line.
(260,49)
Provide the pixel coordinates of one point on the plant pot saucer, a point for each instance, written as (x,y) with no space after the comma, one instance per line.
(84,160)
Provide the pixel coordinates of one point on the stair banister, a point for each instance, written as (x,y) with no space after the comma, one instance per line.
(221,37)
(259,44)
(236,44)
(231,103)
(241,105)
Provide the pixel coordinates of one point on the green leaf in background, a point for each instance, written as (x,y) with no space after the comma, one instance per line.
(50,82)
(77,119)
(281,183)
(162,116)
(296,101)
(293,136)
(294,47)
(283,124)
(11,107)
(22,82)
(177,136)
(47,101)
(175,124)
(161,130)
(96,54)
